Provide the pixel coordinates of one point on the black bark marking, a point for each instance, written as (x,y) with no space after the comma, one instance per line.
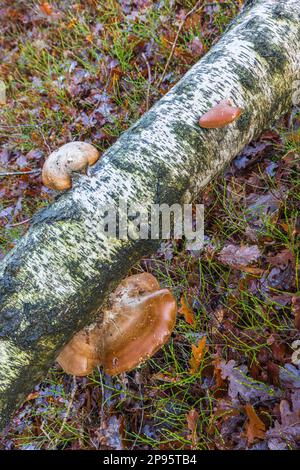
(247,78)
(265,47)
(58,211)
(279,13)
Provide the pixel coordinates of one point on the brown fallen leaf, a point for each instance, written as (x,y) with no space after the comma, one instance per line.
(237,256)
(111,433)
(255,428)
(250,270)
(281,259)
(260,206)
(197,355)
(46,8)
(192,420)
(296,311)
(187,312)
(216,320)
(32,396)
(273,372)
(285,434)
(279,351)
(251,153)
(218,371)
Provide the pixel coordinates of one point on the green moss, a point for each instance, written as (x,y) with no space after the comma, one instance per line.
(193,138)
(284,98)
(143,123)
(248,81)
(244,121)
(185,134)
(265,47)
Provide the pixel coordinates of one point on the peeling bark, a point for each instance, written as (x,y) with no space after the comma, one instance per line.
(60,273)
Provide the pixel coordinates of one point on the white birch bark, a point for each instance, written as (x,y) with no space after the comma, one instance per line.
(56,278)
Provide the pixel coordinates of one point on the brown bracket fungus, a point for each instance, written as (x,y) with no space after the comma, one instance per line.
(74,156)
(81,355)
(139,322)
(219,116)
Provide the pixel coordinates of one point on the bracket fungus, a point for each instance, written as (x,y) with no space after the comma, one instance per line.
(139,321)
(220,115)
(71,157)
(81,355)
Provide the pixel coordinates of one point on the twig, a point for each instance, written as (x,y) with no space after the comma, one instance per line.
(16,173)
(149,80)
(189,13)
(24,125)
(19,223)
(45,141)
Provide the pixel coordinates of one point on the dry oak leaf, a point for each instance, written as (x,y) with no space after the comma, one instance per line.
(236,256)
(187,312)
(197,355)
(296,311)
(218,372)
(255,428)
(286,435)
(243,386)
(111,432)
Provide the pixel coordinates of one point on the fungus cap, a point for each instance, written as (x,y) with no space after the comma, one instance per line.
(140,324)
(140,320)
(220,115)
(74,156)
(81,355)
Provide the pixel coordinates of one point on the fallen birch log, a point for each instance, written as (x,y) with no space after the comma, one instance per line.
(60,273)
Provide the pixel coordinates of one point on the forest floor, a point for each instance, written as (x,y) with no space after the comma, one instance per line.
(229,378)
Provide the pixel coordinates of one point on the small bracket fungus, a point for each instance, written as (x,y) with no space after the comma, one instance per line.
(220,115)
(139,322)
(74,156)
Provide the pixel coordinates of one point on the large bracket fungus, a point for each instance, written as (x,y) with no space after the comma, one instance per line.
(139,321)
(83,353)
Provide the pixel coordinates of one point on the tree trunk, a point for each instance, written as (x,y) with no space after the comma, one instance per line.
(60,273)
